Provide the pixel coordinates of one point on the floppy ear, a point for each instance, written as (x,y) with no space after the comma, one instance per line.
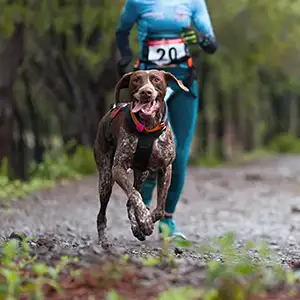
(169,76)
(122,84)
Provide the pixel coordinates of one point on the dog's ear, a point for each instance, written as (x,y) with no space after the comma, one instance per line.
(169,76)
(122,84)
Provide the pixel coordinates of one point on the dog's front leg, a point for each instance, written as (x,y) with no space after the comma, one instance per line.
(139,215)
(139,178)
(163,184)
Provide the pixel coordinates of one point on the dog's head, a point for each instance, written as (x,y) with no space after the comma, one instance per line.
(147,89)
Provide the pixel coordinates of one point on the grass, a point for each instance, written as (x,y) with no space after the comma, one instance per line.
(250,157)
(60,167)
(56,167)
(22,275)
(237,275)
(282,144)
(285,143)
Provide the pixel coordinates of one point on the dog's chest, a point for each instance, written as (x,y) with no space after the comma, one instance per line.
(163,152)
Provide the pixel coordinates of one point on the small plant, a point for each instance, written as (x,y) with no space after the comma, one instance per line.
(185,293)
(113,295)
(239,275)
(22,275)
(166,257)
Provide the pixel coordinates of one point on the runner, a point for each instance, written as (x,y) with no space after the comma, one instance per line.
(164,33)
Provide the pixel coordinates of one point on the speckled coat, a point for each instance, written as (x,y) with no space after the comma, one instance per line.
(113,163)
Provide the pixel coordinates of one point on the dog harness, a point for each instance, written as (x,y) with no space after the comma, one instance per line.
(146,137)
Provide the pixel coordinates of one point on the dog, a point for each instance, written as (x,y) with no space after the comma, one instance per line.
(136,135)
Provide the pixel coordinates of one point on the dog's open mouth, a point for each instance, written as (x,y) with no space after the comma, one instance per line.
(146,108)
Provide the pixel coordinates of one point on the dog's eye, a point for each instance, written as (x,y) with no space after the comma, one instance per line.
(136,80)
(156,79)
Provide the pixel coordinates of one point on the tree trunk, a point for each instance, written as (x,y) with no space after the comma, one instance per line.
(11,56)
(293,117)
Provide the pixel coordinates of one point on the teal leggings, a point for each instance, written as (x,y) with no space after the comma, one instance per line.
(183,111)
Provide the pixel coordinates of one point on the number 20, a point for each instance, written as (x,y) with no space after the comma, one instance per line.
(172,53)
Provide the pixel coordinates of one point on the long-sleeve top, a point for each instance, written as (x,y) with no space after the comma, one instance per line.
(163,19)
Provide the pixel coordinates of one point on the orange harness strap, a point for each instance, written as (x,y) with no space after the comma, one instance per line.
(141,128)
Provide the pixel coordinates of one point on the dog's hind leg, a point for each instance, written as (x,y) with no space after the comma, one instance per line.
(105,190)
(163,184)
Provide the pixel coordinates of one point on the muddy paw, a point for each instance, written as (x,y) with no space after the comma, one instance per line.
(134,224)
(145,222)
(138,233)
(105,242)
(157,215)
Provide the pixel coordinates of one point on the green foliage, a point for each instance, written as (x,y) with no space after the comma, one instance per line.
(285,143)
(56,167)
(59,165)
(250,157)
(238,274)
(40,16)
(206,161)
(22,274)
(113,295)
(166,257)
(186,292)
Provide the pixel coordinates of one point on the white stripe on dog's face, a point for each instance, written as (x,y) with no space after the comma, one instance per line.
(146,92)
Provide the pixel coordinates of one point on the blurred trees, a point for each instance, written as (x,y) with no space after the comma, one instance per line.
(250,88)
(65,57)
(57,72)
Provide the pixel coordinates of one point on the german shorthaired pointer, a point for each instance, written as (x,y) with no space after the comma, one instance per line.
(136,136)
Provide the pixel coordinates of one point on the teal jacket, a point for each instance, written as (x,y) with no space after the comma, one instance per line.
(163,19)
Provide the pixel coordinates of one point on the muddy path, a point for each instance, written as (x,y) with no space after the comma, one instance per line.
(257,201)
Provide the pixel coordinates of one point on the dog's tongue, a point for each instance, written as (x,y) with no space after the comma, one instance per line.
(139,106)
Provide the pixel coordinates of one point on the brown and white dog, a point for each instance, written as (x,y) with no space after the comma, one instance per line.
(119,133)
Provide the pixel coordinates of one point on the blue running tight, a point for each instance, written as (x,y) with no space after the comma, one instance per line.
(183,111)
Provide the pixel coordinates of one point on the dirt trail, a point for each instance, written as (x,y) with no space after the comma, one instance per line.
(257,202)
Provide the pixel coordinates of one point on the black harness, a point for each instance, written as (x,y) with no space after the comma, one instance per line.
(145,137)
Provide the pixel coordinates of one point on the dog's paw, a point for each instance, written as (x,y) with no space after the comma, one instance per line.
(157,215)
(139,214)
(138,233)
(105,243)
(145,222)
(134,224)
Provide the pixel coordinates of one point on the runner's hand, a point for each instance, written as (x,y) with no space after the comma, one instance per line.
(191,37)
(122,65)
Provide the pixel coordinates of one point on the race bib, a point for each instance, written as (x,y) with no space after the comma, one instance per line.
(163,52)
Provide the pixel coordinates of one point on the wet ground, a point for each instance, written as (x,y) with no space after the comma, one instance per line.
(260,201)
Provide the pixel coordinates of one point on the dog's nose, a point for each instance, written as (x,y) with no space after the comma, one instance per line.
(147,92)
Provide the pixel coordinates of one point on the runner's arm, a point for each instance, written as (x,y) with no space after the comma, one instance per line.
(203,24)
(128,17)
